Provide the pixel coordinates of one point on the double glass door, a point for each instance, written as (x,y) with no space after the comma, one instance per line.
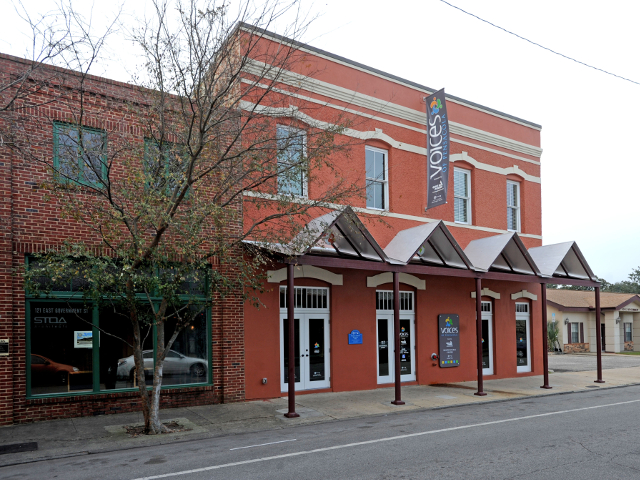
(311,351)
(386,346)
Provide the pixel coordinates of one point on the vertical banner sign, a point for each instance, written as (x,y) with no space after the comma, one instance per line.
(437,150)
(449,340)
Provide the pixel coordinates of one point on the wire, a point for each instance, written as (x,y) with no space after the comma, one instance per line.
(541,46)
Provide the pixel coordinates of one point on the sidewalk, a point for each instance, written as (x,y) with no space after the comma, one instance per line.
(81,436)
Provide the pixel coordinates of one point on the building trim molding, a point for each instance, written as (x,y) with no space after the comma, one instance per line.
(487,293)
(351,97)
(305,271)
(524,294)
(387,277)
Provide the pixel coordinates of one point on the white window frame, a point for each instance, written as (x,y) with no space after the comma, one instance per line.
(305,180)
(467,199)
(624,331)
(516,208)
(385,182)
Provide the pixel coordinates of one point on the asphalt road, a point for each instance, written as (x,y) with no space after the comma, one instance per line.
(583,363)
(575,436)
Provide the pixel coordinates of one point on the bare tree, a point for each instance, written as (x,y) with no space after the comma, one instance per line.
(207,158)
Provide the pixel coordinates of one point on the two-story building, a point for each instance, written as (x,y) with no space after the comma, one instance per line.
(364,298)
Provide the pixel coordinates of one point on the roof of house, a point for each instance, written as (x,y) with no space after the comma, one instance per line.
(587,299)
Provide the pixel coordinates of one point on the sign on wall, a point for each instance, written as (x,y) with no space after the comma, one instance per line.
(4,347)
(449,339)
(437,150)
(355,337)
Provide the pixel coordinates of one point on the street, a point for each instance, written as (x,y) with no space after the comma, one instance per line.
(581,435)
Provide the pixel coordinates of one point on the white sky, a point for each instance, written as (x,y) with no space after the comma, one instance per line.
(590,169)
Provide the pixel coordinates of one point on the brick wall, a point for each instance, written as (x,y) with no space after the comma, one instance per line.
(576,348)
(30,221)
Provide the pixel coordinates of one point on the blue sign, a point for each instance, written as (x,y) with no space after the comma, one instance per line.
(355,337)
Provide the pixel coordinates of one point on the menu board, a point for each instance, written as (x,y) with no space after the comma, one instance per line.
(449,340)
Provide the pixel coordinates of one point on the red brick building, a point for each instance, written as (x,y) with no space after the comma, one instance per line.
(346,317)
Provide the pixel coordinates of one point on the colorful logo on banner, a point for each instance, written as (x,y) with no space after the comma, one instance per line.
(437,150)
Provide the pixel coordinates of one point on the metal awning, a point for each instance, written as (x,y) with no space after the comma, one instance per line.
(342,234)
(501,253)
(564,260)
(431,244)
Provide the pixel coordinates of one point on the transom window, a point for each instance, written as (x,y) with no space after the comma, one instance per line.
(306,297)
(486,307)
(377,171)
(513,206)
(522,308)
(79,153)
(291,144)
(384,300)
(462,195)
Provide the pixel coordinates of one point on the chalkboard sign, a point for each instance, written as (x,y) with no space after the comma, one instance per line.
(449,340)
(355,337)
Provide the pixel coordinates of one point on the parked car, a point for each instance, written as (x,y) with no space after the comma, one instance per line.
(47,372)
(174,364)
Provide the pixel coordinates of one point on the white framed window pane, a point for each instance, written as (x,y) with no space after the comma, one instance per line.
(512,219)
(460,184)
(290,143)
(460,210)
(370,170)
(512,195)
(379,165)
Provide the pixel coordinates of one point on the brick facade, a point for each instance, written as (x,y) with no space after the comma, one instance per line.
(31,222)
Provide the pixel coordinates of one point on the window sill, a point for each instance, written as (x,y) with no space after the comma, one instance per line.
(461,223)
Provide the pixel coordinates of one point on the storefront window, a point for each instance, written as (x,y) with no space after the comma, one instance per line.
(117,368)
(61,335)
(187,360)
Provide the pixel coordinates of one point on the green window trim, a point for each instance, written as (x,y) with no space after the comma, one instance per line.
(60,128)
(96,355)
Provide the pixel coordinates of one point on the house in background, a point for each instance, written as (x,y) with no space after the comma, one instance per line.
(574,311)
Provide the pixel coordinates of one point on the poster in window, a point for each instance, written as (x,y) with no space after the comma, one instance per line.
(82,339)
(449,340)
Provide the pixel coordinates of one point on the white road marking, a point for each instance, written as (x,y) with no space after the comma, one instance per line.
(263,444)
(379,440)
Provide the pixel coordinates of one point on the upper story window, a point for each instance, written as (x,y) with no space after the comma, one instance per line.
(462,195)
(79,153)
(164,164)
(292,178)
(513,206)
(377,174)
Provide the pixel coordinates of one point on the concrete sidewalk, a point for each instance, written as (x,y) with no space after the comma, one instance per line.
(81,436)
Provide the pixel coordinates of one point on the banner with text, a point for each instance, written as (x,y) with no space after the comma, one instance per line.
(437,150)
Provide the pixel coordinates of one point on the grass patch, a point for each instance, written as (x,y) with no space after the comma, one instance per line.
(629,353)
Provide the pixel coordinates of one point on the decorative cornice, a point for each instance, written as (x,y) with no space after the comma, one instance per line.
(487,293)
(305,271)
(387,277)
(351,97)
(524,294)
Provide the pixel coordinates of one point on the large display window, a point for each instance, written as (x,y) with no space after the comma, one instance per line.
(74,348)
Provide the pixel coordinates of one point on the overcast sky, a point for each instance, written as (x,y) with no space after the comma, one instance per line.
(590,167)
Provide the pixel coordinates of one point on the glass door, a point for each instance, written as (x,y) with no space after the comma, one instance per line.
(386,364)
(523,340)
(386,349)
(311,351)
(487,339)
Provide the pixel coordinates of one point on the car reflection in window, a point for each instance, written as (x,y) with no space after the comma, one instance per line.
(175,364)
(47,372)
